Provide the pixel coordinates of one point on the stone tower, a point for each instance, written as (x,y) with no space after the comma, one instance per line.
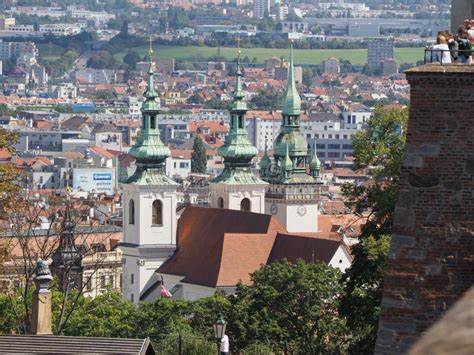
(431,258)
(149,198)
(293,193)
(460,11)
(237,188)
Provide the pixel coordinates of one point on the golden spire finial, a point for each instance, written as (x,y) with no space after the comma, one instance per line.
(238,48)
(150,49)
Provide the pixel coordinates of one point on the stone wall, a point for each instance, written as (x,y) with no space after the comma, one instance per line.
(431,258)
(460,11)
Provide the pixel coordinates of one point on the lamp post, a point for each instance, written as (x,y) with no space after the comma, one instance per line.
(219,330)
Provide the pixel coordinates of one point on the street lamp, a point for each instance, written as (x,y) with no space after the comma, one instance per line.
(219,328)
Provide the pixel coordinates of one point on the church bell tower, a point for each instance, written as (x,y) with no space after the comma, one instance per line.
(293,193)
(237,188)
(149,200)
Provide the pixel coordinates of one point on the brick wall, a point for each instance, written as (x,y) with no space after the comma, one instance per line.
(431,259)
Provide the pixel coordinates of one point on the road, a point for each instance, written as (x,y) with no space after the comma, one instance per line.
(79,63)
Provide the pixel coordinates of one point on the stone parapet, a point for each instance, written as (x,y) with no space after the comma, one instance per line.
(431,258)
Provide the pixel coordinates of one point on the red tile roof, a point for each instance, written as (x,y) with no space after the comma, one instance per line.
(215,251)
(213,126)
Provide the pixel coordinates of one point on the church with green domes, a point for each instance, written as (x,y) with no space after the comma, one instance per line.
(293,191)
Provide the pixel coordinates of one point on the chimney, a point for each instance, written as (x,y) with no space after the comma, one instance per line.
(41,312)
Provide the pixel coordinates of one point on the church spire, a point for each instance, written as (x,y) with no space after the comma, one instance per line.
(150,92)
(237,150)
(149,151)
(291,100)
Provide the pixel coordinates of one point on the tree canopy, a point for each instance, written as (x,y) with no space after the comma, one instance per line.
(199,157)
(378,151)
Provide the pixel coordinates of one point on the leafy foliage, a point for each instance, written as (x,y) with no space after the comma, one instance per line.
(131,59)
(293,306)
(199,157)
(363,291)
(379,151)
(266,100)
(102,60)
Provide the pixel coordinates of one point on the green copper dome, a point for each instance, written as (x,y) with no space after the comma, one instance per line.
(291,146)
(286,163)
(295,142)
(265,162)
(237,150)
(315,163)
(149,151)
(291,99)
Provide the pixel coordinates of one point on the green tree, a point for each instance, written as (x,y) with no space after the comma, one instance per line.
(293,306)
(195,99)
(216,103)
(199,157)
(266,100)
(102,60)
(378,150)
(131,59)
(363,292)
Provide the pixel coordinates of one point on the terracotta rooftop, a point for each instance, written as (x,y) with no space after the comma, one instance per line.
(215,251)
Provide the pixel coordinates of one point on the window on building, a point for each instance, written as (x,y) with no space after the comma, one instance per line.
(336,136)
(333,155)
(102,281)
(344,136)
(245,205)
(132,279)
(320,146)
(152,122)
(183,165)
(131,212)
(347,146)
(334,146)
(89,284)
(330,136)
(220,202)
(120,281)
(111,280)
(157,213)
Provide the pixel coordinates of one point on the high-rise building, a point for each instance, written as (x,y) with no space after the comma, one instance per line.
(149,199)
(378,49)
(237,187)
(260,7)
(292,195)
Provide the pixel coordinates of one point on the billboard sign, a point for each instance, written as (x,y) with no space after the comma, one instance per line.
(95,181)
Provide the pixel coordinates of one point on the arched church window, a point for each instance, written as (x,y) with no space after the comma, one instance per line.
(241,121)
(152,122)
(157,213)
(220,202)
(131,212)
(245,205)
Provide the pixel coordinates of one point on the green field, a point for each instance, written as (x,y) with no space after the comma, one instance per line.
(302,56)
